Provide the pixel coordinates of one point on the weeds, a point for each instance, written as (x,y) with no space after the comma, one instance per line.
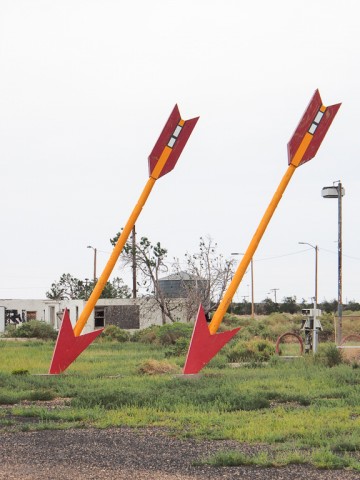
(322,459)
(298,406)
(33,329)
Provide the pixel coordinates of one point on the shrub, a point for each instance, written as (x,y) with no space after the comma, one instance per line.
(156,367)
(34,329)
(333,356)
(20,371)
(252,350)
(42,395)
(164,335)
(179,348)
(170,333)
(114,333)
(148,335)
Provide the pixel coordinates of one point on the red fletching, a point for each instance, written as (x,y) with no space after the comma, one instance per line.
(305,124)
(177,146)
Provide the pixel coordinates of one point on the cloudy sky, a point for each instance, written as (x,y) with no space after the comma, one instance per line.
(85,89)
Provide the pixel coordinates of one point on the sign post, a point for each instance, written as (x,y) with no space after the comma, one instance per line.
(302,147)
(162,160)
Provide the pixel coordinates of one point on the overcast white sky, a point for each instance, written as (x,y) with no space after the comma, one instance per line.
(85,89)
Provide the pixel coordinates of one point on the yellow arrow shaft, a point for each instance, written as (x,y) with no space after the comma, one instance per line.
(99,287)
(235,282)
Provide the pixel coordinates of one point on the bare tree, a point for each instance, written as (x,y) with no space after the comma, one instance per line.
(210,274)
(150,261)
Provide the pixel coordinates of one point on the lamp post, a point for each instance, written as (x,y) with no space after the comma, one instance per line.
(252,284)
(337,191)
(95,251)
(315,339)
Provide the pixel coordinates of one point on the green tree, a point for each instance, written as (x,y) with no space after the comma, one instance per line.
(267,307)
(71,288)
(329,307)
(289,305)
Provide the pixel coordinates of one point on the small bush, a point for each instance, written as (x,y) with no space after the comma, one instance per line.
(327,460)
(20,371)
(147,335)
(34,329)
(165,335)
(170,333)
(114,333)
(253,350)
(42,395)
(332,356)
(179,348)
(156,367)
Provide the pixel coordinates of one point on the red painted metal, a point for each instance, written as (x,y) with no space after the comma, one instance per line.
(164,138)
(204,346)
(305,124)
(68,347)
(289,334)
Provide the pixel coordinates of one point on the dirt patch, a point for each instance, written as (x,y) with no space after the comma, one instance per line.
(142,454)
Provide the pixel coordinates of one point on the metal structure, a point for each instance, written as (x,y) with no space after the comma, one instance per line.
(162,160)
(302,147)
(311,326)
(315,336)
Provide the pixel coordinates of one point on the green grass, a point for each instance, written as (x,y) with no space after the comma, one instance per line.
(302,410)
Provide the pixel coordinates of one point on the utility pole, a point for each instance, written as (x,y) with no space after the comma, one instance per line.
(337,191)
(274,290)
(134,261)
(95,252)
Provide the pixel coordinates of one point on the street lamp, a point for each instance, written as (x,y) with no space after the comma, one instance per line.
(252,284)
(337,191)
(315,339)
(95,251)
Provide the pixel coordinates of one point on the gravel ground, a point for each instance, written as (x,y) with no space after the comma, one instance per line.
(124,453)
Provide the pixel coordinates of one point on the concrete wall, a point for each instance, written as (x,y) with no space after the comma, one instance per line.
(2,319)
(130,314)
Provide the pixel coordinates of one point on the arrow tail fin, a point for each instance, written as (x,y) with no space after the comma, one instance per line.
(174,136)
(315,121)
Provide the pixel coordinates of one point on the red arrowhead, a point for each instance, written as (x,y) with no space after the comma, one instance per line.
(68,347)
(204,346)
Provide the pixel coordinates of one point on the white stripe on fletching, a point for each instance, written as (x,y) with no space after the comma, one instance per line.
(316,122)
(174,136)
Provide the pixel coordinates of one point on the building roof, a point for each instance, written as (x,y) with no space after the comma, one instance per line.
(181,276)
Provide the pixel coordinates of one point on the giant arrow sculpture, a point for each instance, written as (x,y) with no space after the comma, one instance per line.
(302,147)
(70,343)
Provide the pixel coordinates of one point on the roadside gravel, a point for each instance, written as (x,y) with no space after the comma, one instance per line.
(138,454)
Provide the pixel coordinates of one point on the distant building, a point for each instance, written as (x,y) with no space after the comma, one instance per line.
(179,285)
(127,313)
